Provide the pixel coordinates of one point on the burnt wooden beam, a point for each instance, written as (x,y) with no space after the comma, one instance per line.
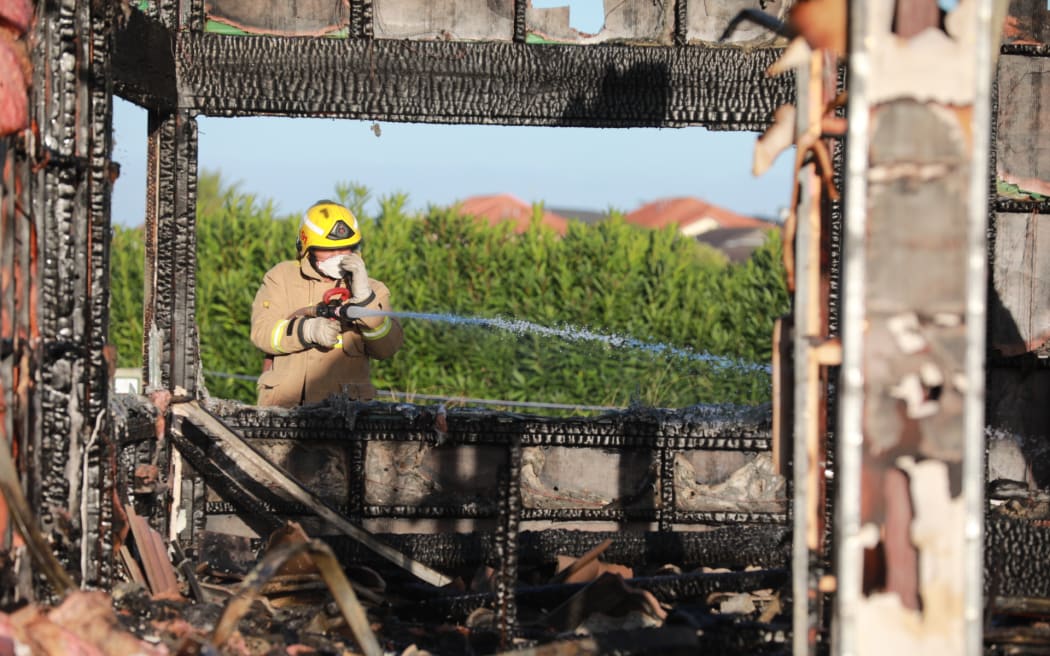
(247,468)
(171,251)
(480,83)
(62,196)
(143,62)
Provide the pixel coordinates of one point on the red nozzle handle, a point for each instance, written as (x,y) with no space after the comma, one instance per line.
(337,293)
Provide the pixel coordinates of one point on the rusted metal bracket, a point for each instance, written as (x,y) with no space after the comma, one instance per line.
(255,468)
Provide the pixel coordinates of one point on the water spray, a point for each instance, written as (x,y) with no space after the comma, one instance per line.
(347,312)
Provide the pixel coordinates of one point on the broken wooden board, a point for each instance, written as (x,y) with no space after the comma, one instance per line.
(159,572)
(1023,127)
(278,17)
(1020,301)
(707,22)
(255,468)
(451,20)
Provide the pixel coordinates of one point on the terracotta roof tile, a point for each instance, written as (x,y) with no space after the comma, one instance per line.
(500,208)
(692,216)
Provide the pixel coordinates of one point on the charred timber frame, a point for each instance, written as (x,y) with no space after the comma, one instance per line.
(909,476)
(170,329)
(721,88)
(815,351)
(56,252)
(164,62)
(478,83)
(501,532)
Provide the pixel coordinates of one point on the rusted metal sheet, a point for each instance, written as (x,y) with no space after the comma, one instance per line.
(1023,126)
(1020,300)
(279,17)
(626,22)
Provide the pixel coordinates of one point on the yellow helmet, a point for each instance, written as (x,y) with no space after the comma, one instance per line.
(327,225)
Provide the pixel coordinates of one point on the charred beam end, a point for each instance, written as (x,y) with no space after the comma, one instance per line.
(1016,206)
(480,83)
(1026,49)
(144,63)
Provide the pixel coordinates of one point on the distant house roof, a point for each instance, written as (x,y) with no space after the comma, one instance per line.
(736,243)
(692,216)
(590,217)
(501,208)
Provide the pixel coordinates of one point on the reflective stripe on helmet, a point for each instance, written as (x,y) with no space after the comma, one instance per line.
(380,332)
(316,229)
(275,338)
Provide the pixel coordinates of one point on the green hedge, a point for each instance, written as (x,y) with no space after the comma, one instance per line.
(622,315)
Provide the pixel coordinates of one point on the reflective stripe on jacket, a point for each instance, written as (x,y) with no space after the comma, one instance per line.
(307,374)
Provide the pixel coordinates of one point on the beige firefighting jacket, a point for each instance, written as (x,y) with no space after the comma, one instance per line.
(306,374)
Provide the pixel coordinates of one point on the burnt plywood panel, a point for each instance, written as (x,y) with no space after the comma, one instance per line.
(420,474)
(143,62)
(279,17)
(322,467)
(1017,408)
(1020,303)
(565,477)
(488,20)
(1017,401)
(752,486)
(480,83)
(1027,23)
(626,21)
(707,21)
(1023,136)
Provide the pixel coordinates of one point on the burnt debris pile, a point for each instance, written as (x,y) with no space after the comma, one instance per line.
(352,526)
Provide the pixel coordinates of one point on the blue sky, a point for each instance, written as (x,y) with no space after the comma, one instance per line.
(297,161)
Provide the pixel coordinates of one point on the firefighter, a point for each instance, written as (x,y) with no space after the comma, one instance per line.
(309,358)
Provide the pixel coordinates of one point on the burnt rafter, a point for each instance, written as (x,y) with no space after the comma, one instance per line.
(454,82)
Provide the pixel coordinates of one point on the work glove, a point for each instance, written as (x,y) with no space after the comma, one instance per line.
(360,289)
(318,331)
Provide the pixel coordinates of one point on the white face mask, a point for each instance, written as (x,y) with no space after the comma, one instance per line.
(330,267)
